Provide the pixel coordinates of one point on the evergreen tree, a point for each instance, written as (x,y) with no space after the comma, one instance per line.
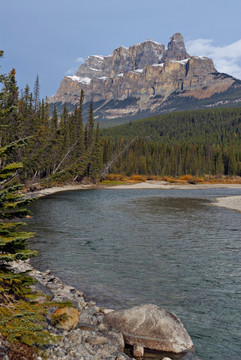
(80,127)
(9,109)
(89,130)
(36,93)
(13,244)
(54,119)
(96,162)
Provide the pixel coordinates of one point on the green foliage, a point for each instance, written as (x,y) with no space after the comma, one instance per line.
(13,245)
(192,142)
(57,319)
(21,318)
(25,322)
(15,283)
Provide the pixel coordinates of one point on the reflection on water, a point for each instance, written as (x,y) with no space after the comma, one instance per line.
(168,247)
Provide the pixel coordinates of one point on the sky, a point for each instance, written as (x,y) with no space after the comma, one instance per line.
(51,38)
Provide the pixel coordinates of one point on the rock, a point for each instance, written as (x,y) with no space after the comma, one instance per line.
(43,290)
(96,340)
(151,327)
(176,49)
(122,357)
(71,322)
(116,340)
(144,77)
(87,327)
(138,351)
(106,311)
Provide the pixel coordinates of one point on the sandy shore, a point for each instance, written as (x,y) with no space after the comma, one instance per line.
(229,202)
(152,184)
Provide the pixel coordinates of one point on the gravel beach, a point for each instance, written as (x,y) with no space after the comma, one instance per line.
(229,202)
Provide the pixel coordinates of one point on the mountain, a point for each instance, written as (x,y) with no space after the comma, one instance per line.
(145,79)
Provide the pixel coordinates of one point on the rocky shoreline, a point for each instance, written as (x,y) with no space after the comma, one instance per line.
(90,338)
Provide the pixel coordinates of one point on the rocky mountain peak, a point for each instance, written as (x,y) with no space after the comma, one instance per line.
(143,77)
(176,49)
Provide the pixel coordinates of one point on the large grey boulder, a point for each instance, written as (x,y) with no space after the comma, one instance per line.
(150,326)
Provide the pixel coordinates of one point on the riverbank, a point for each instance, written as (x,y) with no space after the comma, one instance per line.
(231,202)
(55,189)
(149,184)
(90,338)
(154,184)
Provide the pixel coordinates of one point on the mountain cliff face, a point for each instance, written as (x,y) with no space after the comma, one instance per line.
(146,78)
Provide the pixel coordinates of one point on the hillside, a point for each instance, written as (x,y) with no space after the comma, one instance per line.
(191,142)
(216,126)
(147,79)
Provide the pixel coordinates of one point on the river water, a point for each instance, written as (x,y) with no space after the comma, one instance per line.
(167,247)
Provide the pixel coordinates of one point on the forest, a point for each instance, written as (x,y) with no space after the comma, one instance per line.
(66,147)
(58,149)
(192,142)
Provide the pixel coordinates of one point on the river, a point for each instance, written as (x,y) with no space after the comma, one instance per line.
(172,248)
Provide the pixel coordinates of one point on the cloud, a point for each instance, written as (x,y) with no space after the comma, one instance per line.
(80,60)
(227,59)
(71,71)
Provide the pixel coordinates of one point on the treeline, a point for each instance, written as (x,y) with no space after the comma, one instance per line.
(150,158)
(58,148)
(67,148)
(192,142)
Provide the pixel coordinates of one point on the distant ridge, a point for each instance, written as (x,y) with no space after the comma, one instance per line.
(146,79)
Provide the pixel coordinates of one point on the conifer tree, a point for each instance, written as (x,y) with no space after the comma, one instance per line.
(9,110)
(80,126)
(89,130)
(54,119)
(36,93)
(13,244)
(96,161)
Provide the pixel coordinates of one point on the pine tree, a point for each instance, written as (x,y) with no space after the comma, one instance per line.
(80,127)
(96,161)
(36,93)
(8,105)
(54,119)
(13,244)
(89,130)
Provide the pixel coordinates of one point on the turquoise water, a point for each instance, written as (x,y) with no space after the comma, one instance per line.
(167,247)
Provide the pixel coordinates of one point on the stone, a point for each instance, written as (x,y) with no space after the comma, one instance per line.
(106,311)
(96,340)
(152,327)
(138,351)
(87,327)
(71,322)
(122,357)
(116,340)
